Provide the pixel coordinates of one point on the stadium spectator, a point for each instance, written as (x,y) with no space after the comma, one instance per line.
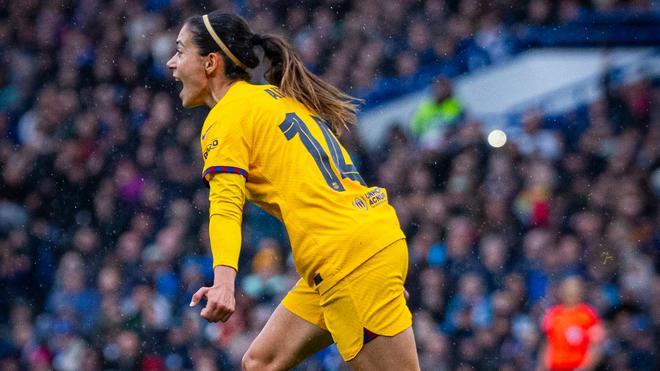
(574,331)
(437,115)
(537,141)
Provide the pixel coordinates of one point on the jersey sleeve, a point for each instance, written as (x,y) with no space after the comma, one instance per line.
(226,199)
(226,146)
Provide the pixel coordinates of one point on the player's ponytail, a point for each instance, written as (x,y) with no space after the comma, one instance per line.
(288,72)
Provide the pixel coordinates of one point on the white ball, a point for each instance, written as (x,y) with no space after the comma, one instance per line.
(497,138)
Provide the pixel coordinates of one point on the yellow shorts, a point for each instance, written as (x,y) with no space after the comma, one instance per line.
(367,301)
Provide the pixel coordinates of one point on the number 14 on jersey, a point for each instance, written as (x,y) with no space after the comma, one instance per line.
(293,125)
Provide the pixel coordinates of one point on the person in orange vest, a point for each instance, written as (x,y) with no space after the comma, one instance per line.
(573,331)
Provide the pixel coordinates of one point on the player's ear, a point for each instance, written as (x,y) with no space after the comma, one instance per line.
(213,64)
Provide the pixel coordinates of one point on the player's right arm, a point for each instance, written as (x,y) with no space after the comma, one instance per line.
(227,197)
(596,333)
(220,299)
(226,150)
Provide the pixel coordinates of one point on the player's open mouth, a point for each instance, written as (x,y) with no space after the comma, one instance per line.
(179,84)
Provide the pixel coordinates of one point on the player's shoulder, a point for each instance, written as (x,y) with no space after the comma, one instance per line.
(243,105)
(257,93)
(553,311)
(240,99)
(588,310)
(243,95)
(549,318)
(556,308)
(251,104)
(266,95)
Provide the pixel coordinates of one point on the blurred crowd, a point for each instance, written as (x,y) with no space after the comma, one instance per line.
(103,214)
(492,232)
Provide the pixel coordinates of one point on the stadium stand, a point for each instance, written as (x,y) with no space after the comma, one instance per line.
(103,216)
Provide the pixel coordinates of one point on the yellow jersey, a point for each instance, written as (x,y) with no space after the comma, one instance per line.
(297,171)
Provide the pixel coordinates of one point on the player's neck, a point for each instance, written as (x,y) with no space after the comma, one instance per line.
(217,90)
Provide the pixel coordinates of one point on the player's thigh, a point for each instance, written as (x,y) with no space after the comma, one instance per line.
(284,342)
(385,353)
(294,331)
(369,302)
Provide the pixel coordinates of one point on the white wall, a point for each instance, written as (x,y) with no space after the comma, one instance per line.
(553,79)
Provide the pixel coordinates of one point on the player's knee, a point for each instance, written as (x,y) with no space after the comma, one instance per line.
(252,361)
(249,362)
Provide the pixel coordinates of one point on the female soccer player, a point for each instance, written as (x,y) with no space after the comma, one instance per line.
(275,144)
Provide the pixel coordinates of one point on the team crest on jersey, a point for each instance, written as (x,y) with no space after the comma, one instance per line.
(360,203)
(209,147)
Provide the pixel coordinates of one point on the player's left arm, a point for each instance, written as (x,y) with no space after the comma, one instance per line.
(596,334)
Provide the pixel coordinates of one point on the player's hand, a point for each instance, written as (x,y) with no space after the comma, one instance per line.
(220,302)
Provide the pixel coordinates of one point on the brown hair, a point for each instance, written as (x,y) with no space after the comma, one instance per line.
(286,70)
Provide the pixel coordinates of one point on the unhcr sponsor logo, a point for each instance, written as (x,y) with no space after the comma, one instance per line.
(375,196)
